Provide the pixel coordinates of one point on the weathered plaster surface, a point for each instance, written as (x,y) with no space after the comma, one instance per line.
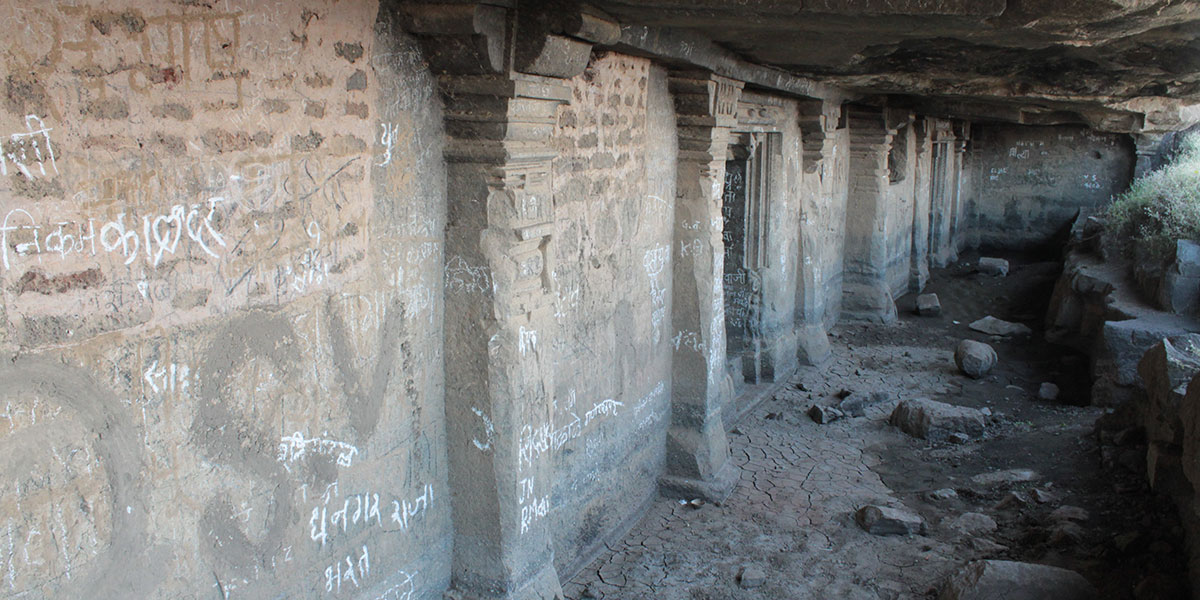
(221,271)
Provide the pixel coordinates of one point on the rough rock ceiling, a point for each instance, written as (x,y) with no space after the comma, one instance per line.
(1096,60)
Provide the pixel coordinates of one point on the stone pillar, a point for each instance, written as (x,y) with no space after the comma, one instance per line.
(818,120)
(866,294)
(500,105)
(697,451)
(918,274)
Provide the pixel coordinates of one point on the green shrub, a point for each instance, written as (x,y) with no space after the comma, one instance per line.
(1160,207)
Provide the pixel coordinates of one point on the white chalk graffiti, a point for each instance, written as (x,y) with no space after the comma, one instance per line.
(526,340)
(606,408)
(461,276)
(405,590)
(167,378)
(488,429)
(387,138)
(17,150)
(354,571)
(294,447)
(532,508)
(403,510)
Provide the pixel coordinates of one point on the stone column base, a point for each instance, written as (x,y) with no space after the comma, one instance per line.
(542,586)
(812,346)
(871,302)
(715,490)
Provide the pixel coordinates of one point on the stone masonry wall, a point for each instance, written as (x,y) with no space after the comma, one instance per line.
(220,283)
(1027,183)
(614,194)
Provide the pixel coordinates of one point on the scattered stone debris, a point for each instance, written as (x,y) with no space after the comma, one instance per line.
(928,305)
(987,546)
(824,415)
(975,359)
(1048,391)
(989,579)
(942,495)
(1069,513)
(993,326)
(959,437)
(1005,476)
(974,523)
(1065,533)
(1012,500)
(751,576)
(936,421)
(996,267)
(885,520)
(856,404)
(1042,496)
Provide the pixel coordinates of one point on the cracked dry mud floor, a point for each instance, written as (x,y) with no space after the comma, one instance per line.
(792,513)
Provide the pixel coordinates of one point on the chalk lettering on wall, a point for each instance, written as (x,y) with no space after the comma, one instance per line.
(350,571)
(405,590)
(404,510)
(387,139)
(17,151)
(296,446)
(526,340)
(489,431)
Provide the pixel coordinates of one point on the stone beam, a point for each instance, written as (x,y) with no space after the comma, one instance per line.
(698,52)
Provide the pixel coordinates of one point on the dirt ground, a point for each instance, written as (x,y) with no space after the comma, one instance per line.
(792,514)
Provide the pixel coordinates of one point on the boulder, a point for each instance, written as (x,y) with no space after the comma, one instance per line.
(1048,391)
(1008,580)
(975,359)
(936,421)
(973,523)
(996,267)
(928,305)
(885,520)
(1166,369)
(993,326)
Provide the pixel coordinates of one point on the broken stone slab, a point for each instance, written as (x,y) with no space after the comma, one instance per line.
(823,415)
(975,359)
(885,520)
(928,305)
(993,326)
(973,523)
(751,576)
(996,267)
(942,495)
(1005,476)
(996,579)
(857,403)
(936,421)
(1069,513)
(1166,369)
(1048,391)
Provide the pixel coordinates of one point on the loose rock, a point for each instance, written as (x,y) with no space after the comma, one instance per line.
(1006,476)
(928,305)
(994,579)
(824,414)
(752,576)
(1048,391)
(942,495)
(1069,513)
(996,267)
(856,404)
(936,421)
(885,520)
(974,523)
(975,359)
(993,326)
